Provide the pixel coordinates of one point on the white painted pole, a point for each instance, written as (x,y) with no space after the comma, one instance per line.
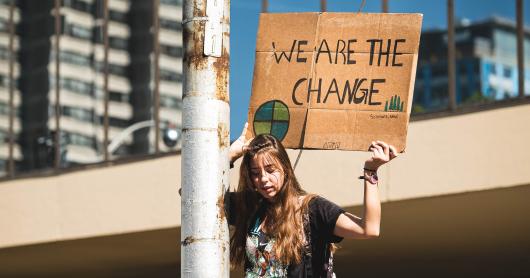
(206,118)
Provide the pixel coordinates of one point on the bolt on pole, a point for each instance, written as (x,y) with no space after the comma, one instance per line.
(206,139)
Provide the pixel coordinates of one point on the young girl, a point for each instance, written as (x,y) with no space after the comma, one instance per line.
(282,231)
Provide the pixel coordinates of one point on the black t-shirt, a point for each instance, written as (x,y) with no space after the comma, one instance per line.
(323,216)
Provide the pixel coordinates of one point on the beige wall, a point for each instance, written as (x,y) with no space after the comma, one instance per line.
(447,155)
(112,200)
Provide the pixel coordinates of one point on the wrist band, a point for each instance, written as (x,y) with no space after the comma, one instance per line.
(372,178)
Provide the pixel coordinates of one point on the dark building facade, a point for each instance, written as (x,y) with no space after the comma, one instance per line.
(81,51)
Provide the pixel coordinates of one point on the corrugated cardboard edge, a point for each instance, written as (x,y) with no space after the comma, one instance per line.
(412,83)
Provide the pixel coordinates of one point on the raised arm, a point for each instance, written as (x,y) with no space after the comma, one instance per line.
(351,226)
(237,148)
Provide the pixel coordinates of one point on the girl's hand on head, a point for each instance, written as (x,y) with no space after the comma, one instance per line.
(381,154)
(239,146)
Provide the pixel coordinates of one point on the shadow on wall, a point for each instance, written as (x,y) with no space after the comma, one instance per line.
(476,234)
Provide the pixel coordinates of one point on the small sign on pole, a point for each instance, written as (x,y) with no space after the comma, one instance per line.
(334,80)
(213,33)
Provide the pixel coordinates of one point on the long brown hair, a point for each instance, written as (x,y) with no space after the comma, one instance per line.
(282,213)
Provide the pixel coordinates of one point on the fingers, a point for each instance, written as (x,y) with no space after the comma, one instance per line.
(377,150)
(385,147)
(373,150)
(239,146)
(386,151)
(243,133)
(381,154)
(378,147)
(393,152)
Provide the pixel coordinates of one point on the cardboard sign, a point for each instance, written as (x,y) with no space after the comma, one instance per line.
(334,80)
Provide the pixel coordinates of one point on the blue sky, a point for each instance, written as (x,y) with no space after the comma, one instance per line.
(244,24)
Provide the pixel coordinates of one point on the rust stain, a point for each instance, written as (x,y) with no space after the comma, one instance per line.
(197,11)
(226,20)
(221,207)
(221,67)
(188,240)
(223,135)
(198,129)
(194,56)
(223,258)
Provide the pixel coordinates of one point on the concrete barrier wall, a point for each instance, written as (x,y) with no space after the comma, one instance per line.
(112,200)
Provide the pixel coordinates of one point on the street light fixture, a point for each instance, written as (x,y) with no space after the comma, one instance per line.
(171,135)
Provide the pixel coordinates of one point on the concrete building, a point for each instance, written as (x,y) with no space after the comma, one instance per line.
(486,64)
(81,77)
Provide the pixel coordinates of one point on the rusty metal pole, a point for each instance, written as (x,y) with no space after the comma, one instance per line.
(264,6)
(206,139)
(384,6)
(451,59)
(520,47)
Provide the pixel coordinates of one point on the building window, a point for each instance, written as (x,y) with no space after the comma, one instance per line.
(4,81)
(112,68)
(117,122)
(168,75)
(78,5)
(4,25)
(117,16)
(493,69)
(118,97)
(170,24)
(507,72)
(114,42)
(75,58)
(171,2)
(78,113)
(4,136)
(170,102)
(77,86)
(4,53)
(4,109)
(174,51)
(118,43)
(81,140)
(78,31)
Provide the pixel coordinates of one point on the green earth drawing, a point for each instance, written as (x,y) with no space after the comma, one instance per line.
(272,117)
